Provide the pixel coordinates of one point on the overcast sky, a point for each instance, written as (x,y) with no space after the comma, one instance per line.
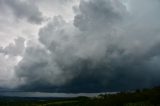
(79,45)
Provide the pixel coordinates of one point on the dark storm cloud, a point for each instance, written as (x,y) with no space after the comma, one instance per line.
(23,9)
(103,49)
(94,14)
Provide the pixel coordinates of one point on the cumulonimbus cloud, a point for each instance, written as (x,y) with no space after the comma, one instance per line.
(106,47)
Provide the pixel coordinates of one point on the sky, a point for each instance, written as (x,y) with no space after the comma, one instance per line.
(79,46)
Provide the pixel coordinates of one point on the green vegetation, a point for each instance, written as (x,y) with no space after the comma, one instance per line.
(145,97)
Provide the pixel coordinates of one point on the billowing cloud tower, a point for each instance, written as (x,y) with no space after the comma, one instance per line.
(107,45)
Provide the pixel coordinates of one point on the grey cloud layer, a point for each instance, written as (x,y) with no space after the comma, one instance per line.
(14,49)
(105,48)
(23,9)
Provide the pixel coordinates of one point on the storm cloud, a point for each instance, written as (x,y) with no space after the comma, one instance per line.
(109,45)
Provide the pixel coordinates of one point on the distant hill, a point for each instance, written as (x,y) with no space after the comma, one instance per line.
(145,97)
